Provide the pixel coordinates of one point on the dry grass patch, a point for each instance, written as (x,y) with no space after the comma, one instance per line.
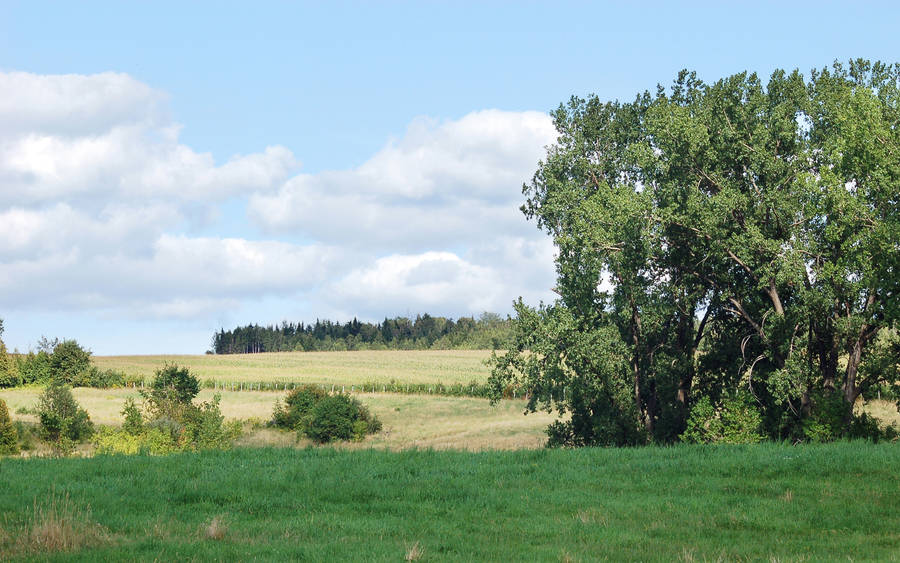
(215,529)
(591,516)
(58,524)
(414,552)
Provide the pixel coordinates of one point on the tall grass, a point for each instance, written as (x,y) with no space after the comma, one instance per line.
(764,502)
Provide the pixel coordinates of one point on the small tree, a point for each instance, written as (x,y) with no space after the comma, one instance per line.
(69,362)
(9,369)
(175,382)
(9,437)
(63,422)
(134,422)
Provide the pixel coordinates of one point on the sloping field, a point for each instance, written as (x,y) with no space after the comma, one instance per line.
(689,503)
(342,368)
(410,421)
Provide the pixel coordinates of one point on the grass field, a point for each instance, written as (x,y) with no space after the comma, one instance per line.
(690,503)
(342,368)
(409,420)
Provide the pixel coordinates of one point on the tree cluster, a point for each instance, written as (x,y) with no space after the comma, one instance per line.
(728,258)
(400,333)
(64,362)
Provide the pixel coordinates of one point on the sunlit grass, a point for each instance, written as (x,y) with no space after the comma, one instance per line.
(409,420)
(765,502)
(341,368)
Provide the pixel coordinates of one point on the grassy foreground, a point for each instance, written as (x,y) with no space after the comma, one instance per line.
(693,503)
(340,368)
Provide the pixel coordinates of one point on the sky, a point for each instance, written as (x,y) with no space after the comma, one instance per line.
(168,169)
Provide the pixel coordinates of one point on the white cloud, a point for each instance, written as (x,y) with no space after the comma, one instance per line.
(101,210)
(441,185)
(82,139)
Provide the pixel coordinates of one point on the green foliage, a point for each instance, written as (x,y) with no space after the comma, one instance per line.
(711,238)
(63,422)
(735,421)
(34,367)
(322,417)
(9,369)
(425,332)
(170,413)
(70,363)
(340,417)
(298,405)
(151,441)
(134,421)
(9,437)
(174,383)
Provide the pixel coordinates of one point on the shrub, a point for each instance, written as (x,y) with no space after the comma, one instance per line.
(297,406)
(34,368)
(134,422)
(205,429)
(153,441)
(173,382)
(340,417)
(63,422)
(9,369)
(735,421)
(9,436)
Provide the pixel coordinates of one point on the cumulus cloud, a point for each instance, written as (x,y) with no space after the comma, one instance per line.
(442,184)
(85,138)
(101,205)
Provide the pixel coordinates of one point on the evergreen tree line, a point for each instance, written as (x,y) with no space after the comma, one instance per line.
(488,331)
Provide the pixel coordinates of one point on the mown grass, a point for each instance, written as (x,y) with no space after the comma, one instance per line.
(340,368)
(689,503)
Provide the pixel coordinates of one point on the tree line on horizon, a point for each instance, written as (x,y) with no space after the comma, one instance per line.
(488,331)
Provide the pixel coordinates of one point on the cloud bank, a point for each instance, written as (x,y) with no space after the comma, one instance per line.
(104,211)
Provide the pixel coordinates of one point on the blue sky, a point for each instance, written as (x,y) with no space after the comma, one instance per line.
(169,168)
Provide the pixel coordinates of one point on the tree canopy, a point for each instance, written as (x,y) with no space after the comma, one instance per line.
(735,244)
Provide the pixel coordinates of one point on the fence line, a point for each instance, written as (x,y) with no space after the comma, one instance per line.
(477,390)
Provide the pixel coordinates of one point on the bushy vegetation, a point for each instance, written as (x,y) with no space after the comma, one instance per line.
(170,420)
(65,362)
(425,332)
(324,417)
(728,261)
(9,436)
(63,423)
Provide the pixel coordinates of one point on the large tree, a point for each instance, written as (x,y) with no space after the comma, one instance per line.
(723,241)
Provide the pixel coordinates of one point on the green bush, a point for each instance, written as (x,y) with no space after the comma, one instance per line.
(153,441)
(34,368)
(734,421)
(9,437)
(63,422)
(70,363)
(340,417)
(134,422)
(297,407)
(9,369)
(830,418)
(173,382)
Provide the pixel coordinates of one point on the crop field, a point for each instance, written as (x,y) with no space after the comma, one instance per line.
(688,503)
(340,368)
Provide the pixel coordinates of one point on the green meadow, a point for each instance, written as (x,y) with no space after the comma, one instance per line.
(765,502)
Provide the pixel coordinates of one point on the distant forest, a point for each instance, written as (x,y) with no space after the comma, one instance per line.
(489,331)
